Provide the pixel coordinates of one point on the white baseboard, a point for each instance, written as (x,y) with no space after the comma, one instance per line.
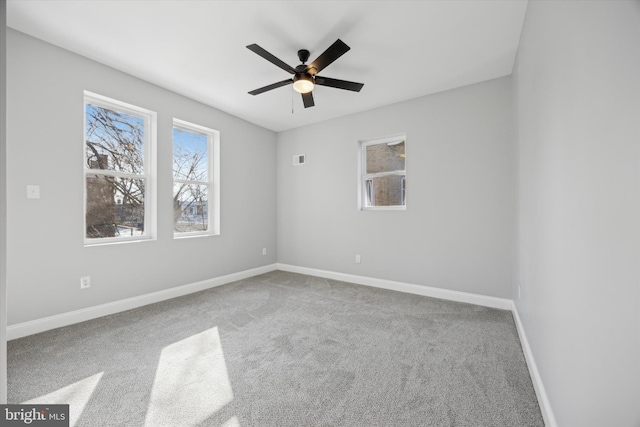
(486,301)
(40,325)
(543,399)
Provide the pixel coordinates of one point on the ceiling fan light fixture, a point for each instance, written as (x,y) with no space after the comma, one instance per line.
(303,83)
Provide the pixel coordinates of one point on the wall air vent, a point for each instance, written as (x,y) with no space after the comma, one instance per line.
(298,160)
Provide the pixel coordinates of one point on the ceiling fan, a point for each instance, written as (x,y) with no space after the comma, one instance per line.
(305,77)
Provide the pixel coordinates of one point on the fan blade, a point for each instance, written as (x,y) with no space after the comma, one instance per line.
(271,86)
(307,100)
(335,51)
(269,57)
(339,84)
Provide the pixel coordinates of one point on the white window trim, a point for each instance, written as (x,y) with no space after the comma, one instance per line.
(213,208)
(150,169)
(363,177)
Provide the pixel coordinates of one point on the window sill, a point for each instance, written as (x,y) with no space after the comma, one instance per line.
(116,242)
(384,208)
(182,236)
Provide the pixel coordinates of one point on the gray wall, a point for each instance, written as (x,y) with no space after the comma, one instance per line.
(458,229)
(46,256)
(3,203)
(577,99)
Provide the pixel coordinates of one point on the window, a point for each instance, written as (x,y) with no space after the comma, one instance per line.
(119,170)
(383,174)
(196,189)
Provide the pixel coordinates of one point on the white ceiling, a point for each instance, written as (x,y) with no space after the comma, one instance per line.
(399,49)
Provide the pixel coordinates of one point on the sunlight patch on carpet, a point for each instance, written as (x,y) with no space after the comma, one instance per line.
(233,422)
(191,382)
(77,395)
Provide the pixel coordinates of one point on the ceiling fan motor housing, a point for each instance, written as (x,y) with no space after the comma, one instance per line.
(303,55)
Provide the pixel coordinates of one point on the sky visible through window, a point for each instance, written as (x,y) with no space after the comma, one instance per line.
(190,155)
(115,140)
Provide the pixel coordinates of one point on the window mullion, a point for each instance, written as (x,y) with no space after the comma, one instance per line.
(383,174)
(116,174)
(188,181)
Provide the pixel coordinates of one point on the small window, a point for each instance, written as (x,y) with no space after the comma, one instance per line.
(196,190)
(118,168)
(383,174)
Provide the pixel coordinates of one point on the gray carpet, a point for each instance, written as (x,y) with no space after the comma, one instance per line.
(283,349)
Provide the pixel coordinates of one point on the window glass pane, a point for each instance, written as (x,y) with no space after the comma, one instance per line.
(190,155)
(190,207)
(115,141)
(115,206)
(386,191)
(385,157)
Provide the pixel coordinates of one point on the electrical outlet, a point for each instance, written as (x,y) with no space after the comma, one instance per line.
(264,251)
(85,282)
(33,191)
(519,292)
(357,259)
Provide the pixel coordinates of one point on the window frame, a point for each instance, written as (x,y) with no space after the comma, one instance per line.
(150,169)
(365,190)
(213,175)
